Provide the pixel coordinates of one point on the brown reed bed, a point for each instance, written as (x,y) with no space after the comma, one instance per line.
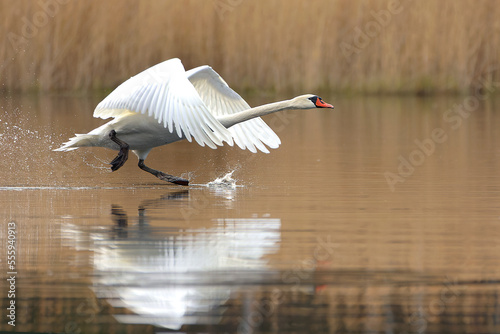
(375,46)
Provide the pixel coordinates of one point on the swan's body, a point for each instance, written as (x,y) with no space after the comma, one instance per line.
(165,104)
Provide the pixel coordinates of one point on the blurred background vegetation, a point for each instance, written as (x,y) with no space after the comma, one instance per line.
(358,46)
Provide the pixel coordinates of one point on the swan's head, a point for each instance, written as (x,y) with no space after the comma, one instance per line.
(310,101)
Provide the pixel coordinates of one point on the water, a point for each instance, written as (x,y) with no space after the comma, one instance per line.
(382,215)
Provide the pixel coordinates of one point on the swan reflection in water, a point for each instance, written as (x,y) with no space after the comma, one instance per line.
(171,277)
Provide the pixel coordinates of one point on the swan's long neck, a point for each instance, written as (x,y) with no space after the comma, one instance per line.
(242,116)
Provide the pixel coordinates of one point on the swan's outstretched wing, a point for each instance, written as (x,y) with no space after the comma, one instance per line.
(164,92)
(222,100)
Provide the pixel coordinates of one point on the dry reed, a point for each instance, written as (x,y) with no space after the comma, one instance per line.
(276,45)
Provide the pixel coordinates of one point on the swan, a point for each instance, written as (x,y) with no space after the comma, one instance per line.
(165,103)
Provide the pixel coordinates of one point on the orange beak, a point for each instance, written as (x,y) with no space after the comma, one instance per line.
(322,104)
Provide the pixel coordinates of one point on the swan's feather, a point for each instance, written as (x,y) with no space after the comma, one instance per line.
(221,100)
(164,92)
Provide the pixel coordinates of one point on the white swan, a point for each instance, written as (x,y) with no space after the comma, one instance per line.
(165,103)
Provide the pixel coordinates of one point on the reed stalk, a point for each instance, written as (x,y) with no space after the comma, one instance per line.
(374,46)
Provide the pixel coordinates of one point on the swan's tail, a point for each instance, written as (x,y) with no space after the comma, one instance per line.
(80,140)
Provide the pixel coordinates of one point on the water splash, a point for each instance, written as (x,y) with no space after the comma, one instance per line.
(225,181)
(86,159)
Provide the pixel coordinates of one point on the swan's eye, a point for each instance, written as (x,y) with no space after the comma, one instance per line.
(314,99)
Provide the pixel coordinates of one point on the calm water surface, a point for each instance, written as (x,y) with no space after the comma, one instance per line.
(382,215)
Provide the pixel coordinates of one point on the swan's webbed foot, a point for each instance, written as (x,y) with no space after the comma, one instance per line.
(172,179)
(163,176)
(122,156)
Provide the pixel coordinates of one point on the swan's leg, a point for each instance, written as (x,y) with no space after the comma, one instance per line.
(163,176)
(122,154)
